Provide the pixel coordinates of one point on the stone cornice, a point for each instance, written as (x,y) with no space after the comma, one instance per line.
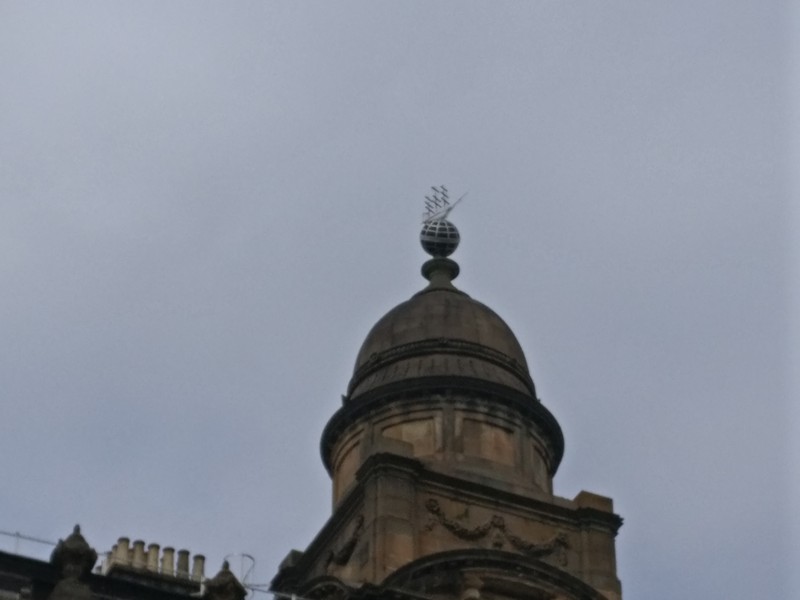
(447,484)
(446,387)
(592,517)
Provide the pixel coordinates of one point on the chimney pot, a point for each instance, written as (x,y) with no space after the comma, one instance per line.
(183,564)
(198,567)
(138,561)
(168,561)
(123,552)
(152,557)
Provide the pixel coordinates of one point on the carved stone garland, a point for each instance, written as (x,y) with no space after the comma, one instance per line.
(555,545)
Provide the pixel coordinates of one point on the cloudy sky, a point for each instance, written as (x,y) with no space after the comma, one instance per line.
(204,206)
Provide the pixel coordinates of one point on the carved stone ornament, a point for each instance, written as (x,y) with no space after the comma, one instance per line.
(500,534)
(224,586)
(74,559)
(342,556)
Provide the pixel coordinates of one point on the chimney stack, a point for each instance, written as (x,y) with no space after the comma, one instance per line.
(152,559)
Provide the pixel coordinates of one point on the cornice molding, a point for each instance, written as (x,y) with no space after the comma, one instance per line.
(444,389)
(386,463)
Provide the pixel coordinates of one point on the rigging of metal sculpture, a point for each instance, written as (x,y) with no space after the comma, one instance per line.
(438,206)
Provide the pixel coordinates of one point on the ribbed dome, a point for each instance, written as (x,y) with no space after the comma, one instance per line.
(440,332)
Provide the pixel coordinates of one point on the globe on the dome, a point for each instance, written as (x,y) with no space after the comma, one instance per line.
(439,238)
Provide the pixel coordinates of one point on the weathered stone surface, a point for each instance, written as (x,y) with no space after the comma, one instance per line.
(73,559)
(224,586)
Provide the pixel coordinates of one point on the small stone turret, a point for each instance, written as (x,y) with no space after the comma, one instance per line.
(224,586)
(74,559)
(442,459)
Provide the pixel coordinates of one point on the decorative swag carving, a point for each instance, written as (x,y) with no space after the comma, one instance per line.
(554,546)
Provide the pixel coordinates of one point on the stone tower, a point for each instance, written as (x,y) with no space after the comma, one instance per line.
(442,460)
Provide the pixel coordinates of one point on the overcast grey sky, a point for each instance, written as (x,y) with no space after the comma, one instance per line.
(204,206)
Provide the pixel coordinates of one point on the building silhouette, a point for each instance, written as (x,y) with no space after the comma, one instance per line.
(442,462)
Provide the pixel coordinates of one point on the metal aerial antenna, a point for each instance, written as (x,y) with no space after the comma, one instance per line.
(247,563)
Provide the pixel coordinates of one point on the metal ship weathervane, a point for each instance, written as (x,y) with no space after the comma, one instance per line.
(439,237)
(438,206)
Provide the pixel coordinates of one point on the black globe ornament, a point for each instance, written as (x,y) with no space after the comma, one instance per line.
(439,238)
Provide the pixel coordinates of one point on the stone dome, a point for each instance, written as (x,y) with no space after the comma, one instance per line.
(440,333)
